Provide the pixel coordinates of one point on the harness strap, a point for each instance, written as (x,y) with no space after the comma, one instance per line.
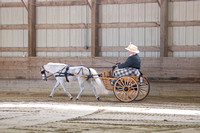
(90,74)
(66,74)
(80,71)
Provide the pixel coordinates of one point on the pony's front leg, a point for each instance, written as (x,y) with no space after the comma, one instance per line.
(61,80)
(57,83)
(80,82)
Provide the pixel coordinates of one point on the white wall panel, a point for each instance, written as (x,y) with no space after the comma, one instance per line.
(144,12)
(113,13)
(41,41)
(41,36)
(134,10)
(128,13)
(12,15)
(170,36)
(196,10)
(110,13)
(41,15)
(63,37)
(123,36)
(13,54)
(184,54)
(197,35)
(175,12)
(0,16)
(13,38)
(135,36)
(75,14)
(189,11)
(148,14)
(10,0)
(0,32)
(0,41)
(141,12)
(25,15)
(182,11)
(102,13)
(189,35)
(184,35)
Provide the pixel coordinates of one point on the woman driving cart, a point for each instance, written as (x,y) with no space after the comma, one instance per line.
(131,66)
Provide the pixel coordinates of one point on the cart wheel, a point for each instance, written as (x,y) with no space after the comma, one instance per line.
(144,90)
(126,89)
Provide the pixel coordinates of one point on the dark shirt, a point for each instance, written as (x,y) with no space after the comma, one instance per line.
(132,61)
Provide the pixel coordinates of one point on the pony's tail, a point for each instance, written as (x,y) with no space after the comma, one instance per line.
(98,82)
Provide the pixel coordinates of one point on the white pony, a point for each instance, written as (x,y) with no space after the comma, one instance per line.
(63,72)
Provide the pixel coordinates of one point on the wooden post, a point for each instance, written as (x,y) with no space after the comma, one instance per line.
(31,28)
(94,29)
(164,28)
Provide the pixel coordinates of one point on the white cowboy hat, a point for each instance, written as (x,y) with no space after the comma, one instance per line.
(132,48)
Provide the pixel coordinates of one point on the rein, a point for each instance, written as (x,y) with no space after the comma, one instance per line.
(66,74)
(105,61)
(55,72)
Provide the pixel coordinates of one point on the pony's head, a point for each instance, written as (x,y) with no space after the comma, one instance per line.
(52,68)
(43,72)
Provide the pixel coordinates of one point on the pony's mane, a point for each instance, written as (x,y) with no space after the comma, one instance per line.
(54,67)
(56,64)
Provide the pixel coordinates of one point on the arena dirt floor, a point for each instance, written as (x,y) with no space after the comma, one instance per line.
(36,112)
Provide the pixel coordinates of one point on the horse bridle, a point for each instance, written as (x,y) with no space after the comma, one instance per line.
(43,72)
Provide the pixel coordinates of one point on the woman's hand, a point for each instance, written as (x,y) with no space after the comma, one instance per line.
(115,66)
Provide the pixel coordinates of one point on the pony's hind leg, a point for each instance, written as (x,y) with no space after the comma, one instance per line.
(94,90)
(52,92)
(81,85)
(64,88)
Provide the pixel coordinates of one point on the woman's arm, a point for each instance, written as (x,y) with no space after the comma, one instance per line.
(127,63)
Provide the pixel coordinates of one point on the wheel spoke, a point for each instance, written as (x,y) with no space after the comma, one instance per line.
(119,87)
(142,89)
(141,92)
(133,93)
(122,82)
(126,96)
(129,95)
(134,88)
(133,84)
(127,81)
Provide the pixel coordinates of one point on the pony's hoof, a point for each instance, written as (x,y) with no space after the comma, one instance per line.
(71,98)
(76,99)
(50,96)
(98,98)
